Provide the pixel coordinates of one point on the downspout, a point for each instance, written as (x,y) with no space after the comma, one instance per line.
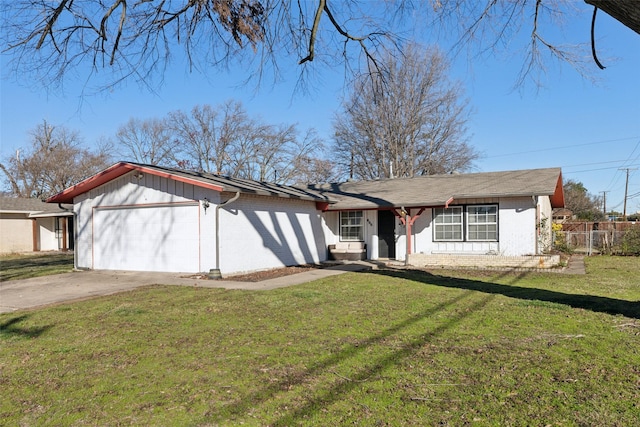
(214,273)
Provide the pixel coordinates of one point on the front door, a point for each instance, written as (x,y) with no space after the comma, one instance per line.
(386,234)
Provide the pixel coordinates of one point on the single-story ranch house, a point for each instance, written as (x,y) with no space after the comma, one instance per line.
(149,218)
(32,225)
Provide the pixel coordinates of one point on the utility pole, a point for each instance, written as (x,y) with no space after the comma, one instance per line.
(604,203)
(626,190)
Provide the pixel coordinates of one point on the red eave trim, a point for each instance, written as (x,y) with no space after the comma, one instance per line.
(557,198)
(116,171)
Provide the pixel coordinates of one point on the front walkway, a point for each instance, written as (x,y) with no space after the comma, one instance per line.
(575,265)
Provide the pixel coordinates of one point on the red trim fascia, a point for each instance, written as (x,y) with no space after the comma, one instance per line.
(557,199)
(322,206)
(117,171)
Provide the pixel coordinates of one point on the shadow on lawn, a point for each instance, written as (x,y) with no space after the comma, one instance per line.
(588,302)
(12,268)
(11,328)
(344,385)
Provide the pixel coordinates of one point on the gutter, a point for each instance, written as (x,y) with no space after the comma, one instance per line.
(214,273)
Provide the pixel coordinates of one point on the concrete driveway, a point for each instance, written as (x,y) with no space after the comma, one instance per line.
(29,293)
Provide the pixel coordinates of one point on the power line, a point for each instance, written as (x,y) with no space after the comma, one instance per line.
(562,147)
(614,181)
(599,169)
(596,163)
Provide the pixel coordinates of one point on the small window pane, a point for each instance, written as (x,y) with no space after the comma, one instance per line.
(351,226)
(448,224)
(482,223)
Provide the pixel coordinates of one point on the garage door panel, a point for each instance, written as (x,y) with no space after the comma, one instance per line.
(157,238)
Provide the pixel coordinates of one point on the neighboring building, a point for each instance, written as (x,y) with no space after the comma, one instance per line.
(32,225)
(562,215)
(141,217)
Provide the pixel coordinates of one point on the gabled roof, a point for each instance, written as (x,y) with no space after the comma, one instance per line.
(33,207)
(442,190)
(200,179)
(422,191)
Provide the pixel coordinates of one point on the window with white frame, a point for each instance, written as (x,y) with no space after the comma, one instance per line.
(477,223)
(448,224)
(482,223)
(352,226)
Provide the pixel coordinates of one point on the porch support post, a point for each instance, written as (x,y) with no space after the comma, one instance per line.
(408,220)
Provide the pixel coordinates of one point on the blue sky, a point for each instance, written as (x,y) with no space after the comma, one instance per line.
(591,131)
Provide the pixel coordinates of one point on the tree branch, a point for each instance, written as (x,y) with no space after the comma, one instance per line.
(14,185)
(314,31)
(593,39)
(48,29)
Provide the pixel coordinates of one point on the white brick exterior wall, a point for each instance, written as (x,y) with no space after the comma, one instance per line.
(259,232)
(517,230)
(484,261)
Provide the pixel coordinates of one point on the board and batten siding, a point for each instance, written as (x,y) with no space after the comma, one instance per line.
(143,191)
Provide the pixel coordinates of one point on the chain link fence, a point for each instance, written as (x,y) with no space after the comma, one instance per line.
(593,242)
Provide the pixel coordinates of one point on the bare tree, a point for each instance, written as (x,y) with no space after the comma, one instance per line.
(53,161)
(406,122)
(277,153)
(209,134)
(265,152)
(225,139)
(148,141)
(314,170)
(138,39)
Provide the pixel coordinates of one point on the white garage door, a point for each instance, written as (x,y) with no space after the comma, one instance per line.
(150,238)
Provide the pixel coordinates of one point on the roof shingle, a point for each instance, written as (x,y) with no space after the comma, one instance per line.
(438,190)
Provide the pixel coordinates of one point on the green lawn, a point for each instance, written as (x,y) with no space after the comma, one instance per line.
(380,348)
(24,266)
